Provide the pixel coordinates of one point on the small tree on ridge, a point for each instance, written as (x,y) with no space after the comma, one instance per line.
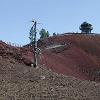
(43,33)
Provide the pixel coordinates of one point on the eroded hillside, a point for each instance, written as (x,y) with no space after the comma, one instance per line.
(75,56)
(79,57)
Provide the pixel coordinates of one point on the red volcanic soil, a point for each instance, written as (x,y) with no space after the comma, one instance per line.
(71,57)
(80,57)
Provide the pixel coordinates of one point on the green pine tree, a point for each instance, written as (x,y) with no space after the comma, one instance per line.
(54,34)
(43,33)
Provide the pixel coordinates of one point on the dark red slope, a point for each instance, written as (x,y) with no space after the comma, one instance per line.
(79,58)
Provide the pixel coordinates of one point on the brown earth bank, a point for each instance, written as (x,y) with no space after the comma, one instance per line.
(76,56)
(21,82)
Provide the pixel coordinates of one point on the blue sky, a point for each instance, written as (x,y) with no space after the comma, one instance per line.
(58,16)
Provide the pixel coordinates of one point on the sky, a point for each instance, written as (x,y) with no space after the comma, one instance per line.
(59,16)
